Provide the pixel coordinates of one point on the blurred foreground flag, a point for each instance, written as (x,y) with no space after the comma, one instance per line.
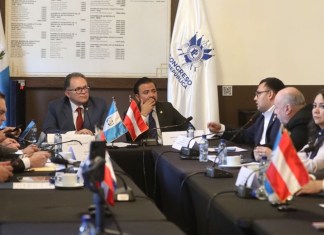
(286,173)
(4,68)
(114,126)
(109,184)
(134,121)
(192,82)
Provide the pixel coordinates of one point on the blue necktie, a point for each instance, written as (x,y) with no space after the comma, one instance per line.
(152,126)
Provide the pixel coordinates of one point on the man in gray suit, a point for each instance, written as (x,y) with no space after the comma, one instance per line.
(77,110)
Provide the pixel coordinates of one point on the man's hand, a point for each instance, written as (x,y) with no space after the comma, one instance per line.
(214,127)
(10,143)
(39,159)
(32,148)
(313,186)
(12,130)
(147,107)
(84,132)
(5,171)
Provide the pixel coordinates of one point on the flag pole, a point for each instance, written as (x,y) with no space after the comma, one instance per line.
(112,142)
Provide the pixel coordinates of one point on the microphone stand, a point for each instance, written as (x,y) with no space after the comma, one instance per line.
(112,146)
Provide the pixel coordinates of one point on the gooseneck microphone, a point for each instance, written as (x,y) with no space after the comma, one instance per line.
(177,125)
(151,141)
(252,119)
(190,152)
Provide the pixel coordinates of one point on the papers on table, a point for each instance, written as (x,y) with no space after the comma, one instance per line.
(80,151)
(33,185)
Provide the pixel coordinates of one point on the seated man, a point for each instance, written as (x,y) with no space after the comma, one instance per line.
(155,113)
(31,157)
(77,110)
(265,128)
(294,114)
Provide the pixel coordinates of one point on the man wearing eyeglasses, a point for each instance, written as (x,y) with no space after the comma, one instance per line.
(77,110)
(264,130)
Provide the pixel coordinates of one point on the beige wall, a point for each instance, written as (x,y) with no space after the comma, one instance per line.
(260,38)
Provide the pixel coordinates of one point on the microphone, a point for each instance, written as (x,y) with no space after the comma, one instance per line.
(151,141)
(177,125)
(252,119)
(58,159)
(190,152)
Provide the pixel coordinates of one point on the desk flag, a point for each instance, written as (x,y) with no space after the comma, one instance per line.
(114,126)
(4,69)
(109,184)
(286,173)
(134,121)
(192,82)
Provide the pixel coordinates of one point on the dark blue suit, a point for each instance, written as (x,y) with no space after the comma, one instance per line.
(59,115)
(252,135)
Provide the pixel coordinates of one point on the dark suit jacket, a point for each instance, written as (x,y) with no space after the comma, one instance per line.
(298,126)
(167,116)
(8,154)
(59,115)
(251,136)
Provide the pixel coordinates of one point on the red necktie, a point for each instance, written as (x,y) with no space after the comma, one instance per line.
(79,120)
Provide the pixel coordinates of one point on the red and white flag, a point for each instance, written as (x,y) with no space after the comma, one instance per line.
(286,173)
(134,121)
(109,183)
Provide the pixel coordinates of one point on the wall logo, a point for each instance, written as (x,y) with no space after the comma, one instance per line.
(195,52)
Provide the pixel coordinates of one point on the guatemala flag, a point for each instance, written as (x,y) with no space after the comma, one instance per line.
(192,77)
(4,68)
(113,127)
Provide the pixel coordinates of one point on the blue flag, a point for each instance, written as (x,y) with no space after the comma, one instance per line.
(114,126)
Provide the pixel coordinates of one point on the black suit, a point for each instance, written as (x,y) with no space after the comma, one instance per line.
(298,126)
(167,115)
(59,115)
(8,154)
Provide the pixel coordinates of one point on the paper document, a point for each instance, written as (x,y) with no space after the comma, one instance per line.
(42,185)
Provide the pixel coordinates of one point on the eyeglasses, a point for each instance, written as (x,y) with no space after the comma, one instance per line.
(79,90)
(257,93)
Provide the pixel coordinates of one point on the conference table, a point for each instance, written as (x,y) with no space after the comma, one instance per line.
(202,205)
(58,211)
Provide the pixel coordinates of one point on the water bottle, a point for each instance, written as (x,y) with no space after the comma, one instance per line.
(57,142)
(33,135)
(203,149)
(86,227)
(260,193)
(190,131)
(222,153)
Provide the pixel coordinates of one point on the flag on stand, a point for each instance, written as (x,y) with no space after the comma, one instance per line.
(286,173)
(134,121)
(109,183)
(4,68)
(192,82)
(114,126)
